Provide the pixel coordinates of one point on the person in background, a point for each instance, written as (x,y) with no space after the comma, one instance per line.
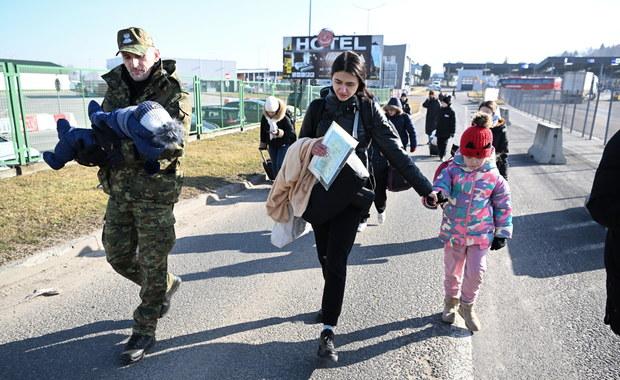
(277,131)
(346,102)
(432,110)
(138,233)
(604,207)
(476,218)
(405,103)
(500,136)
(446,125)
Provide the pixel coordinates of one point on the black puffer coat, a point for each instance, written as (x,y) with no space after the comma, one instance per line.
(604,206)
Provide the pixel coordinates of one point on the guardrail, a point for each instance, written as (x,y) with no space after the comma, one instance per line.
(593,116)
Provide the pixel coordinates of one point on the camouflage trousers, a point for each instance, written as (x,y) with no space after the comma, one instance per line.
(137,237)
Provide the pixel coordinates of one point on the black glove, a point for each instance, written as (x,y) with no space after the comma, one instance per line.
(441,198)
(498,243)
(92,155)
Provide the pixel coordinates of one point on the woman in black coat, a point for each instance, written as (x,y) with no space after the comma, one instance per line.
(351,105)
(277,131)
(604,207)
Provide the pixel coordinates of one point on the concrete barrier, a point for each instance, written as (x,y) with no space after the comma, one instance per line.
(547,147)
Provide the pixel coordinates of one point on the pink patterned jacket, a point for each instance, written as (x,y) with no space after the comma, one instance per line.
(478,206)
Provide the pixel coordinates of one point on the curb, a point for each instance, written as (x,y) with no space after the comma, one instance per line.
(91,243)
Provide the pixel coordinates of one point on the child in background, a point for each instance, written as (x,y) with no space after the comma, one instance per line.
(476,218)
(500,137)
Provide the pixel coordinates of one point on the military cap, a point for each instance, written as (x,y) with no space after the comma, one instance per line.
(134,40)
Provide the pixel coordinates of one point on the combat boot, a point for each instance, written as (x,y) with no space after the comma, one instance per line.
(136,348)
(174,286)
(449,310)
(466,310)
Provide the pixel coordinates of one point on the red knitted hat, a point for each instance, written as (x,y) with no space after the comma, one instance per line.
(477,140)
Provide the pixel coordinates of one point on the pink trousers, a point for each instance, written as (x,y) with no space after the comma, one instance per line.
(464,267)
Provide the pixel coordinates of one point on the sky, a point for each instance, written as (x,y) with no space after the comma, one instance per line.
(82,34)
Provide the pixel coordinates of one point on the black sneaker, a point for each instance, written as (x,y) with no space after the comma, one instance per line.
(326,346)
(136,348)
(176,282)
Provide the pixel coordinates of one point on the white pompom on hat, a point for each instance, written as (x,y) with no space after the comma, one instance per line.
(272,104)
(152,116)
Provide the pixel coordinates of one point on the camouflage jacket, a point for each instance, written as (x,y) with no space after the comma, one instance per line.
(129,181)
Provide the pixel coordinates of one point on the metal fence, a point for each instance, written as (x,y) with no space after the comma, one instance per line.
(593,117)
(33,98)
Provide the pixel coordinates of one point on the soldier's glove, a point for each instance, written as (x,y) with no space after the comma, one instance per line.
(498,243)
(92,155)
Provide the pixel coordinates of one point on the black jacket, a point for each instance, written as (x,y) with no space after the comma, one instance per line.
(380,131)
(284,124)
(500,137)
(604,207)
(406,106)
(432,109)
(446,123)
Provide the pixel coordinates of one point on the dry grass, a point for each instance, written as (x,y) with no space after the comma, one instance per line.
(49,207)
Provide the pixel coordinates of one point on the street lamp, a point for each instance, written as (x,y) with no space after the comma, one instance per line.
(368,16)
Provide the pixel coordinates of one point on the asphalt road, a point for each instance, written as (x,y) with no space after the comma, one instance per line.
(246,309)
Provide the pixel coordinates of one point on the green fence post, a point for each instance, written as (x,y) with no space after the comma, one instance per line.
(198,104)
(16,113)
(241,104)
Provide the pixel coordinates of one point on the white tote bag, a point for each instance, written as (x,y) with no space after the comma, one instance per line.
(284,233)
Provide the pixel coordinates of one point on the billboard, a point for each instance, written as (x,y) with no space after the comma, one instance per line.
(312,57)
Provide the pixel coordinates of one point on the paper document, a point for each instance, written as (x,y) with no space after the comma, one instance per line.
(340,145)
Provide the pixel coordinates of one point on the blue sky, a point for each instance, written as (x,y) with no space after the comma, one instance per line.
(83,34)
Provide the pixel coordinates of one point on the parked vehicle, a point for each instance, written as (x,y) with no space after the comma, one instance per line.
(216,117)
(252,109)
(577,86)
(7,151)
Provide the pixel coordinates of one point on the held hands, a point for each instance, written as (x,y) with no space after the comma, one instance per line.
(320,150)
(498,243)
(434,199)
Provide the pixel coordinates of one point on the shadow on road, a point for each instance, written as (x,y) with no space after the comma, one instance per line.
(78,353)
(556,243)
(300,254)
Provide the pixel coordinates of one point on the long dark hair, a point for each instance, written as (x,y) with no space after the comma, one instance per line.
(351,62)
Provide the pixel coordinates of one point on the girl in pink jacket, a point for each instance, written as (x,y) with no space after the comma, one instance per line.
(477,217)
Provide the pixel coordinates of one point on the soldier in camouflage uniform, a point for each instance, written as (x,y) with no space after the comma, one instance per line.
(139,222)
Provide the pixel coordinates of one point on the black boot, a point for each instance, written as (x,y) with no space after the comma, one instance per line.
(326,346)
(136,348)
(176,282)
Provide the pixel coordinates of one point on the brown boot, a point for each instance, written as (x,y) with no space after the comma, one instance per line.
(466,310)
(449,310)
